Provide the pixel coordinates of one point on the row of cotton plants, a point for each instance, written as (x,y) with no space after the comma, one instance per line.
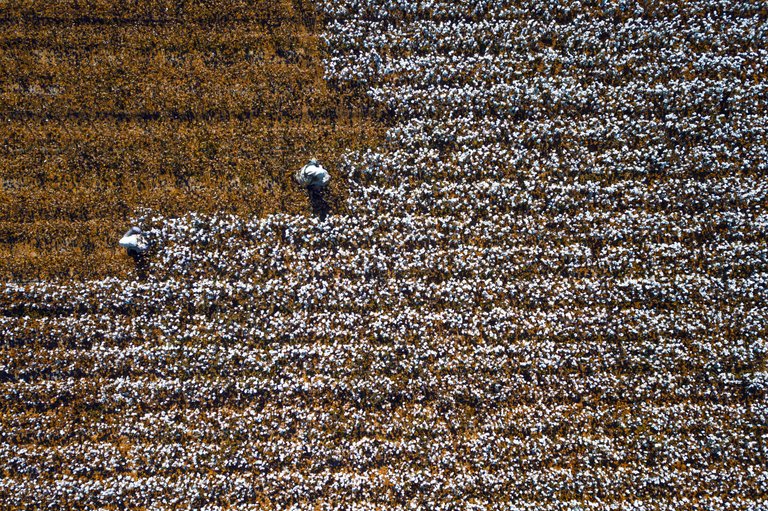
(548,291)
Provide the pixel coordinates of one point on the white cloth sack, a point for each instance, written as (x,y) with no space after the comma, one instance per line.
(313,175)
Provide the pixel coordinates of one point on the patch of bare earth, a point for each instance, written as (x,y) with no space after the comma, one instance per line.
(206,108)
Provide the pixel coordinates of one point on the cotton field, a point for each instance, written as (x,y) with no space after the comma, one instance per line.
(547,290)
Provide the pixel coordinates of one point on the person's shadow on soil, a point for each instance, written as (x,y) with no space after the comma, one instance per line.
(142,265)
(318,202)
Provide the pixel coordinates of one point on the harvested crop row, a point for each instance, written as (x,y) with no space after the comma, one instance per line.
(206,109)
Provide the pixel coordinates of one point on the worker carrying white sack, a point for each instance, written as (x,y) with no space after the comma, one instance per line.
(313,175)
(134,242)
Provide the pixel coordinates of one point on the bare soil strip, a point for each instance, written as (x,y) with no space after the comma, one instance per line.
(112,109)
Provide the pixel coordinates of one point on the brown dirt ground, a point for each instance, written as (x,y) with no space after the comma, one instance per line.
(177,109)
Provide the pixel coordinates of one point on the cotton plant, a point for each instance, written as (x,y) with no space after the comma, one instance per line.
(549,286)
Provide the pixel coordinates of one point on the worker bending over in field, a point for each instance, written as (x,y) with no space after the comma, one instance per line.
(315,178)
